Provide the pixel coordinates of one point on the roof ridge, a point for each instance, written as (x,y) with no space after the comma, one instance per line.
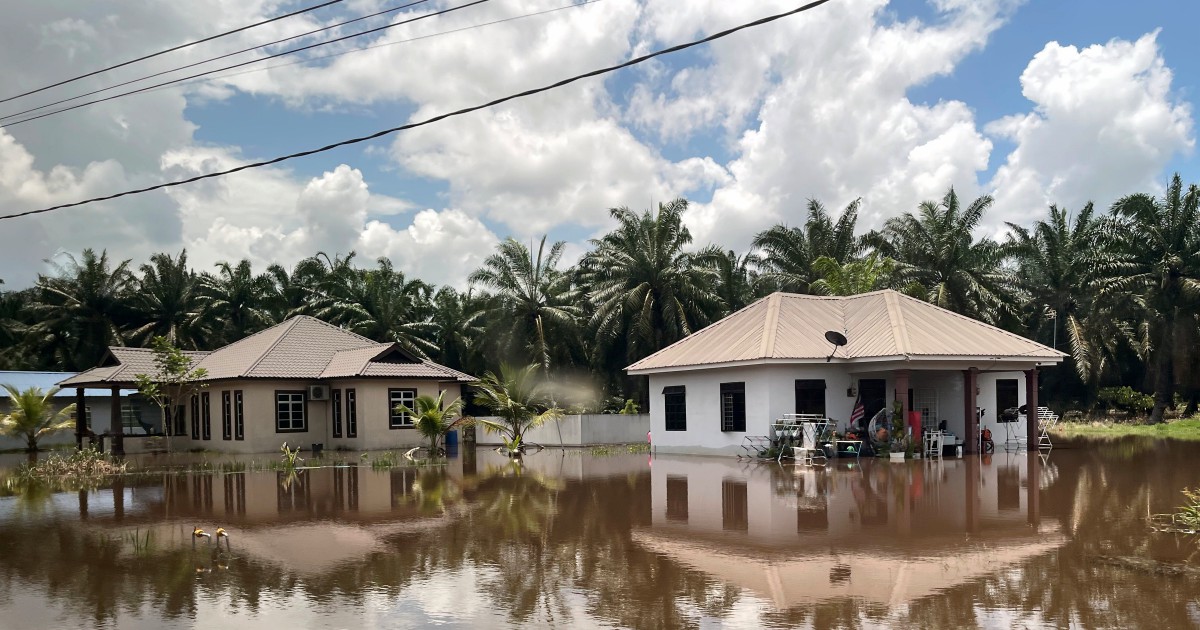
(899,333)
(978,321)
(338,328)
(770,325)
(288,325)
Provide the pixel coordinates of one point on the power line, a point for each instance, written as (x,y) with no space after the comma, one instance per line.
(217,58)
(246,63)
(428,121)
(179,47)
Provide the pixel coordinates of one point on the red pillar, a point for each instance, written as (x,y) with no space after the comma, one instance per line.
(972,472)
(1033,502)
(115,426)
(1031,408)
(80,417)
(902,384)
(970,385)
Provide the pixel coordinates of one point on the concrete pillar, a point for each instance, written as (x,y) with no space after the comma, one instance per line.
(1031,408)
(80,417)
(970,413)
(115,426)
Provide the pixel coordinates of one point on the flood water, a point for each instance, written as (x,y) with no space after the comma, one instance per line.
(579,541)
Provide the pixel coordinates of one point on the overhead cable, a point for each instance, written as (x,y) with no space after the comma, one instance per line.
(246,63)
(212,59)
(173,49)
(428,121)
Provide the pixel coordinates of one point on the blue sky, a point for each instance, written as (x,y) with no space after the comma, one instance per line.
(835,104)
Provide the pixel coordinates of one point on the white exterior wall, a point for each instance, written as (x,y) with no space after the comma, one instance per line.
(581,430)
(770,393)
(258,405)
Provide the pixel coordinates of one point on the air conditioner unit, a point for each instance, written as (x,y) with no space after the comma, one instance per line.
(318,392)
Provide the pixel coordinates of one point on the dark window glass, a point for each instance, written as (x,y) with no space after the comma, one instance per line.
(289,412)
(180,420)
(335,402)
(675,407)
(810,396)
(677,498)
(239,420)
(195,417)
(398,419)
(733,407)
(1006,397)
(206,415)
(351,414)
(226,416)
(735,512)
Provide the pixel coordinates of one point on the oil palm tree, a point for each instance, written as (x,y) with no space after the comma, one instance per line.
(534,304)
(648,290)
(735,276)
(167,303)
(380,304)
(83,308)
(936,249)
(518,400)
(788,253)
(852,278)
(1157,244)
(457,333)
(235,300)
(32,416)
(434,418)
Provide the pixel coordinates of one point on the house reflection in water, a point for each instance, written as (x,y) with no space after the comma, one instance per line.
(883,532)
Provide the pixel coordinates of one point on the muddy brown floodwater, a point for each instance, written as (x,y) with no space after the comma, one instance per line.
(577,541)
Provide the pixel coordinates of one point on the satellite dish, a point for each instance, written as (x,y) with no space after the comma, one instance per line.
(837,339)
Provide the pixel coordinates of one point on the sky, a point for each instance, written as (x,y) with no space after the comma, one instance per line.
(1033,102)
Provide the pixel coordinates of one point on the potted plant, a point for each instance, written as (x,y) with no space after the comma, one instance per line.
(899,443)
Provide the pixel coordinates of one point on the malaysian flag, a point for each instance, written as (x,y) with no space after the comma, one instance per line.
(859,412)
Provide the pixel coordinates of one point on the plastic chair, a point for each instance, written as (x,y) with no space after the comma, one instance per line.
(933,444)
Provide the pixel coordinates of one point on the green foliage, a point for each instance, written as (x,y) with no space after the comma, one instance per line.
(290,458)
(630,408)
(1185,519)
(1125,399)
(519,401)
(433,419)
(175,379)
(87,468)
(32,416)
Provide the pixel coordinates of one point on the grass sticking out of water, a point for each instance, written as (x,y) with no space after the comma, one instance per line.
(1184,429)
(86,468)
(1185,520)
(606,451)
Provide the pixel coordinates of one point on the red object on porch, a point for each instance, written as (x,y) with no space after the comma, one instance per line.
(914,424)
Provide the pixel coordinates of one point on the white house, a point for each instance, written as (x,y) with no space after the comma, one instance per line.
(734,378)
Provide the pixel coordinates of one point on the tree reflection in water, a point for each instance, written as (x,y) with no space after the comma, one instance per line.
(542,549)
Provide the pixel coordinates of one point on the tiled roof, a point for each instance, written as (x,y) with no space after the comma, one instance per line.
(878,325)
(300,348)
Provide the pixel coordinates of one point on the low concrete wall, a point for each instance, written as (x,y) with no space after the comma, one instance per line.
(582,430)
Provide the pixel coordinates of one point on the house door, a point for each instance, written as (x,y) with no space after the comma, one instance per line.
(874,395)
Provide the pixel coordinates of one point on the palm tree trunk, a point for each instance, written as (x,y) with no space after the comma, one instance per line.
(30,443)
(1164,359)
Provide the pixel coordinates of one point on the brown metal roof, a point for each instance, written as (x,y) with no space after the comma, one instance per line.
(878,325)
(300,348)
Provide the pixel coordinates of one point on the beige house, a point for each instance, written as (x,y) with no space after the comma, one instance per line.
(777,356)
(303,382)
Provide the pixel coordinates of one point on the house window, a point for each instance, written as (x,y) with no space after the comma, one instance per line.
(398,419)
(1006,395)
(289,412)
(810,396)
(675,407)
(205,416)
(677,498)
(195,417)
(733,407)
(239,420)
(335,403)
(226,416)
(735,509)
(131,417)
(351,414)
(180,420)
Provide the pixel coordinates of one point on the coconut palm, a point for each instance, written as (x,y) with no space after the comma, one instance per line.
(788,253)
(936,249)
(380,304)
(648,290)
(32,416)
(1157,244)
(167,302)
(433,418)
(235,300)
(519,402)
(735,276)
(852,278)
(83,308)
(535,305)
